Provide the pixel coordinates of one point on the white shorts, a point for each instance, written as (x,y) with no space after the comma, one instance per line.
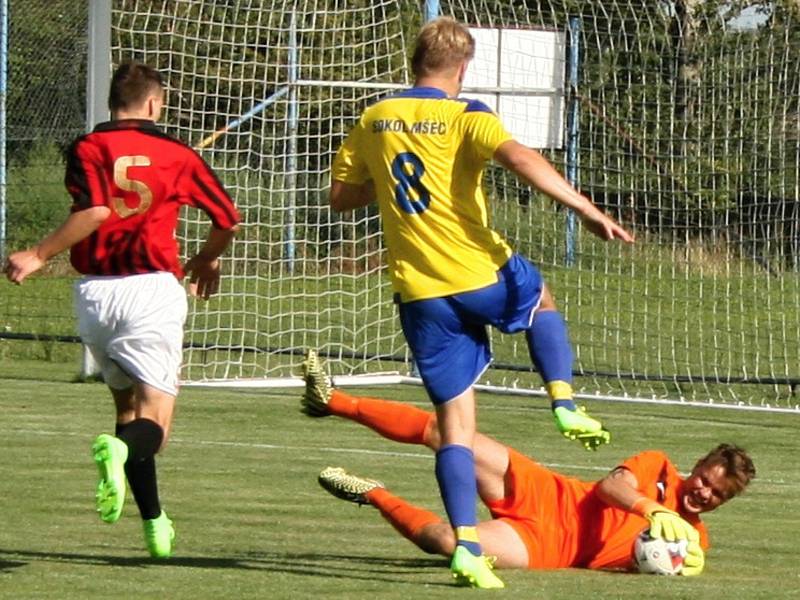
(133,326)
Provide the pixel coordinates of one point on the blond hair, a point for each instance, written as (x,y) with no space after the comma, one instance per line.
(738,466)
(442,43)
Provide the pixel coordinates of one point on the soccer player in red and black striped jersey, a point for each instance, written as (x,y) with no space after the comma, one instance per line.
(128,181)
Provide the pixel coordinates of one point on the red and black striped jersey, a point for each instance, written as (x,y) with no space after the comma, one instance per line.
(144,176)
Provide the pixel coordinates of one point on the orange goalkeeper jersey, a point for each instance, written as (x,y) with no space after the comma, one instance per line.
(565,524)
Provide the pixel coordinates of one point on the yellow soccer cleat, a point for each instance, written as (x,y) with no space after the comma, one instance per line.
(159,535)
(347,486)
(577,425)
(473,571)
(110,454)
(314,401)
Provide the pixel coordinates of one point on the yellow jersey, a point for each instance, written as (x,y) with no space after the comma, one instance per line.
(425,153)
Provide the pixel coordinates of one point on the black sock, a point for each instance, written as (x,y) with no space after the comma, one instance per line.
(141,473)
(144,486)
(143,438)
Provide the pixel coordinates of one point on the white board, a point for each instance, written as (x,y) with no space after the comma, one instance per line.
(519,73)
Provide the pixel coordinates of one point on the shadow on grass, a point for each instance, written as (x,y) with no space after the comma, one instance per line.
(7,565)
(328,565)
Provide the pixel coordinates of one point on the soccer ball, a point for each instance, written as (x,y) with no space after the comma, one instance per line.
(657,556)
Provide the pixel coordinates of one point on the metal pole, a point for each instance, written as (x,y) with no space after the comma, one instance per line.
(98,80)
(573,139)
(98,68)
(291,159)
(3,134)
(431,10)
(209,140)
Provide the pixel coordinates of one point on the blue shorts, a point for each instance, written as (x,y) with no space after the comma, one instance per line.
(448,336)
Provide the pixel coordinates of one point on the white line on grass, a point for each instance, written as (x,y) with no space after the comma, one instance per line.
(327,449)
(534,408)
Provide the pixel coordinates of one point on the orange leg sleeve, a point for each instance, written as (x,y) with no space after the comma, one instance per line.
(393,420)
(409,520)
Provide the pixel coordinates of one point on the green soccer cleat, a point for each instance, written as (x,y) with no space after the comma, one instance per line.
(577,425)
(318,390)
(474,571)
(159,535)
(345,486)
(110,454)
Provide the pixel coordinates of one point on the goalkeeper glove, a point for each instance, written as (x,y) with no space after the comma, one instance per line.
(665,523)
(694,561)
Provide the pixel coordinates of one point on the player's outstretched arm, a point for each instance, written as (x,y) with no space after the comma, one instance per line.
(75,228)
(203,268)
(620,489)
(536,170)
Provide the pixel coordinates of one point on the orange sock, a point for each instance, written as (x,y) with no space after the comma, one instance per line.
(393,420)
(409,520)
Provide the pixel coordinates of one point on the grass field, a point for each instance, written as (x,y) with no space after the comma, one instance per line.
(239,480)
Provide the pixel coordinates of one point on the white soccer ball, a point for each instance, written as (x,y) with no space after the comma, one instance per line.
(657,556)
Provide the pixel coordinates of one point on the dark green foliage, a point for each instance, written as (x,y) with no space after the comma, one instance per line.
(46,72)
(37,201)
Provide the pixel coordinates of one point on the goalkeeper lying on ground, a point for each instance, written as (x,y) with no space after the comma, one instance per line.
(540,519)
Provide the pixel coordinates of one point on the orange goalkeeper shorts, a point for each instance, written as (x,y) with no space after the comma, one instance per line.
(541,507)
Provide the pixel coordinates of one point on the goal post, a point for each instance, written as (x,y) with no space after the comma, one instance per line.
(678,139)
(98,80)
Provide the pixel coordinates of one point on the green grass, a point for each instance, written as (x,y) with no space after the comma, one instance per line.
(239,480)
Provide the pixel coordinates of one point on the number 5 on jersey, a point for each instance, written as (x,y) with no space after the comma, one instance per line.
(410,193)
(131,185)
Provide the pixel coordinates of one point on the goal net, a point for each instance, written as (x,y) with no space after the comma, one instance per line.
(681,119)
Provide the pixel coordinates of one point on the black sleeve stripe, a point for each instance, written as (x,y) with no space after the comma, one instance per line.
(222,204)
(140,257)
(113,264)
(129,256)
(75,177)
(225,206)
(211,173)
(106,191)
(94,265)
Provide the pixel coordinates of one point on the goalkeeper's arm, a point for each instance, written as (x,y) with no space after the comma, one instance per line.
(620,489)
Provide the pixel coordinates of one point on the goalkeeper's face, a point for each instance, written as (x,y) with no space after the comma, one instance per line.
(705,489)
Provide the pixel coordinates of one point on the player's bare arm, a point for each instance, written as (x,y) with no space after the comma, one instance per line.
(533,168)
(349,196)
(203,268)
(75,228)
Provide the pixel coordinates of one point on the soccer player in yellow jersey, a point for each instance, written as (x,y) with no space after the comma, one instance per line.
(420,154)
